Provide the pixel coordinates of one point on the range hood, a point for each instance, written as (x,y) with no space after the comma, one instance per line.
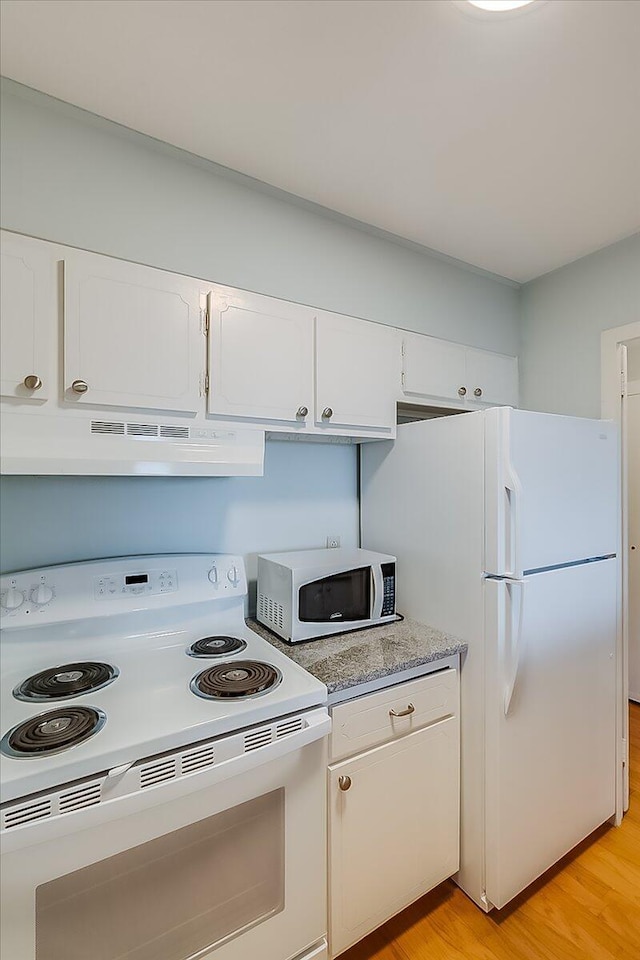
(42,443)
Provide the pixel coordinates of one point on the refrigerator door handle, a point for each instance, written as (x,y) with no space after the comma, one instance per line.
(515,591)
(513,489)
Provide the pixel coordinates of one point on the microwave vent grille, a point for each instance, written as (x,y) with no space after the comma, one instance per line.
(270,611)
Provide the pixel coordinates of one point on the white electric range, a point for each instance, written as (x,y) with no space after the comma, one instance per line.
(164,762)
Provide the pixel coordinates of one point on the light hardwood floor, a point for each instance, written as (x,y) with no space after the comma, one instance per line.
(587,907)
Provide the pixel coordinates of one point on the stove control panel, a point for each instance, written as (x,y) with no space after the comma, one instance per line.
(76,590)
(25,595)
(142,583)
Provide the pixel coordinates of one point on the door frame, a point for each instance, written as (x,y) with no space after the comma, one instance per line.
(613,357)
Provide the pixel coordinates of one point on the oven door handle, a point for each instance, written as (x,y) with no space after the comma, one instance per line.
(122,797)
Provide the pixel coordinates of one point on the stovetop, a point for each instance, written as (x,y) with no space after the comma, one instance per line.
(151,703)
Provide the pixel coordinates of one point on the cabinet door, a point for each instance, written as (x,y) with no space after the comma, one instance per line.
(28,314)
(260,357)
(357,367)
(432,368)
(133,335)
(495,375)
(394,831)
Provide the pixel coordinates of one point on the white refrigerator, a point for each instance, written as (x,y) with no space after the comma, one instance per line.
(505,528)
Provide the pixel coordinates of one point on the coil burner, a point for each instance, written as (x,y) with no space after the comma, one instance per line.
(236,681)
(216,647)
(67,680)
(52,732)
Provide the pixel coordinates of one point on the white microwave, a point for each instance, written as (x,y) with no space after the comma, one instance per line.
(305,594)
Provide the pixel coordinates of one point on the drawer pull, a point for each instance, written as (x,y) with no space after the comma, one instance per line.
(344,782)
(403,713)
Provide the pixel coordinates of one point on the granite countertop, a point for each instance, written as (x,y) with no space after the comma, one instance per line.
(368,656)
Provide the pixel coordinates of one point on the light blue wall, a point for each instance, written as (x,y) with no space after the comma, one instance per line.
(77,179)
(308,491)
(563,316)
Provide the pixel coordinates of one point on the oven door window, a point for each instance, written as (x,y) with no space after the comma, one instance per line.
(340,597)
(173,897)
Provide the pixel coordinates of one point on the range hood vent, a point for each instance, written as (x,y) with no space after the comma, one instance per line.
(66,443)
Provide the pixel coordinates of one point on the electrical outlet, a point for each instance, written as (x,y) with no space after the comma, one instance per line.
(333,542)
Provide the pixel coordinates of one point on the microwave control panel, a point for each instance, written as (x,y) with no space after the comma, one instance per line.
(388,589)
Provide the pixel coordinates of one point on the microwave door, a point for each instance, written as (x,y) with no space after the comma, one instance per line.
(344,597)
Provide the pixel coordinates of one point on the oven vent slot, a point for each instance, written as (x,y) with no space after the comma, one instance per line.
(158,772)
(174,433)
(270,610)
(142,429)
(289,726)
(86,796)
(197,760)
(27,813)
(107,426)
(257,739)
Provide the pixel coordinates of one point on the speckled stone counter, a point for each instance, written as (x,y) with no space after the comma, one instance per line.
(372,658)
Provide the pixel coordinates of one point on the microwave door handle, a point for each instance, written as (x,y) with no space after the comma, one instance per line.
(378,592)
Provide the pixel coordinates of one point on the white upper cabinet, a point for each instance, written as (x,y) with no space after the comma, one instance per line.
(295,369)
(357,367)
(432,368)
(146,340)
(260,358)
(133,335)
(441,373)
(28,313)
(492,378)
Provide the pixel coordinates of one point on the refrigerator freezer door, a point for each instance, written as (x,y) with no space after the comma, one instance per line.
(550,719)
(551,490)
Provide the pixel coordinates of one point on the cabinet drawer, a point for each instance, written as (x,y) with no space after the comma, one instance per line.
(367,721)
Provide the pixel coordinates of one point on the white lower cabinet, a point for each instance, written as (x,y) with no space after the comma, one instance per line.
(394,809)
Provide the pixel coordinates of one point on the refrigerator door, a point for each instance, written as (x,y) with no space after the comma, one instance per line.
(550,719)
(551,490)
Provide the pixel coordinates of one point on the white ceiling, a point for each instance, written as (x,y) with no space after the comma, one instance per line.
(511,143)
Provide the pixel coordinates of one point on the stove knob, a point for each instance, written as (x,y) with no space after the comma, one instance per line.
(213,575)
(13,599)
(233,576)
(41,594)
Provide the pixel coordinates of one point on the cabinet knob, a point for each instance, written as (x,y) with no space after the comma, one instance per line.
(477,392)
(344,782)
(403,713)
(79,386)
(327,413)
(32,382)
(462,391)
(302,412)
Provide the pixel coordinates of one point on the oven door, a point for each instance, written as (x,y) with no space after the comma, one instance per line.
(216,852)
